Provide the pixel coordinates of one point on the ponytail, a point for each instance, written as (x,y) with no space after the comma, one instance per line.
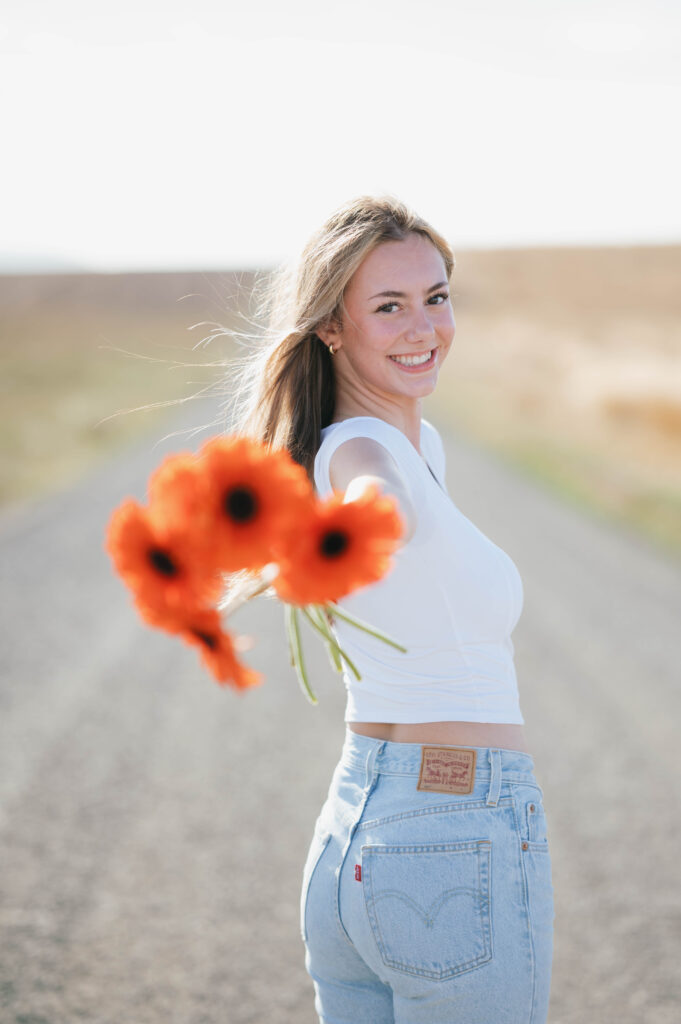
(296,398)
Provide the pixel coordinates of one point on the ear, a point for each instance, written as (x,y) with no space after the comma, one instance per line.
(329,331)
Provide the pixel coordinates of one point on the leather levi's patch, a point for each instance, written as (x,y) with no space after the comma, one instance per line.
(447,769)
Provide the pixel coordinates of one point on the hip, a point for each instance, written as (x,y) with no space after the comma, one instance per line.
(433,867)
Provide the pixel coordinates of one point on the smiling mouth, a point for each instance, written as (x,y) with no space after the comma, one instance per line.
(415,361)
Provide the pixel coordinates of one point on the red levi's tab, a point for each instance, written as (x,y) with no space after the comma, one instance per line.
(358,872)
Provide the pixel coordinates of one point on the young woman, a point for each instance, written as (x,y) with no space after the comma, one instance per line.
(427,894)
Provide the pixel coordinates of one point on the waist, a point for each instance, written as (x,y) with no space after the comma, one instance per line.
(405,758)
(501,735)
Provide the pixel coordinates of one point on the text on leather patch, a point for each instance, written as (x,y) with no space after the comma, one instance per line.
(447,769)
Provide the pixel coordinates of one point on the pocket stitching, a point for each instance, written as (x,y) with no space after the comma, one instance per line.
(483,848)
(470,805)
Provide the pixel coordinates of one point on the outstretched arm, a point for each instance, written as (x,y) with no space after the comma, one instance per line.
(361,461)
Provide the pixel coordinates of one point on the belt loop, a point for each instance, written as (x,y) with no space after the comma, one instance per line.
(495,780)
(371,761)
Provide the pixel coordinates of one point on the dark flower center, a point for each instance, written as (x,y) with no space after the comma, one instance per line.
(163,562)
(209,639)
(240,504)
(333,543)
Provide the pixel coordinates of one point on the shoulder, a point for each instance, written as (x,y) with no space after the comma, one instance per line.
(354,453)
(360,445)
(364,456)
(364,426)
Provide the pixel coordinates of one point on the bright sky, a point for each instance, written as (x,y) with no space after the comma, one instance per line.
(207,134)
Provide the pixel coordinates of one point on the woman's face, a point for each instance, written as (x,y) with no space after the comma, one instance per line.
(397,310)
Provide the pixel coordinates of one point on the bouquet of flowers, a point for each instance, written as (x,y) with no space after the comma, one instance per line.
(239,507)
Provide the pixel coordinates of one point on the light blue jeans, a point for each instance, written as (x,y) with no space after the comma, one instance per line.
(428,907)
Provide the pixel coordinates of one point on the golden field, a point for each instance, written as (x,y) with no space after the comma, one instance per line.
(89,362)
(567,361)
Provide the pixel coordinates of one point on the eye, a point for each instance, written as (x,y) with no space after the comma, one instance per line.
(439,297)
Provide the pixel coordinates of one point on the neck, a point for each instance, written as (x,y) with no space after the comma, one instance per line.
(406,418)
(353,398)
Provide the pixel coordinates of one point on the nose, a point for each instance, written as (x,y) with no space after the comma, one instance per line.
(420,327)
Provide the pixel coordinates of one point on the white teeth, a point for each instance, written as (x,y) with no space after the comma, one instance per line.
(413,360)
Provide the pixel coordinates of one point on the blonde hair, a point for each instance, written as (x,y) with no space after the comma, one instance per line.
(283,393)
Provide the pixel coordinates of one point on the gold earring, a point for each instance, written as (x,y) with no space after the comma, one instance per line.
(331,349)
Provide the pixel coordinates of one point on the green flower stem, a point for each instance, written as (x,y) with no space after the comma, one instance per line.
(289,633)
(316,612)
(335,651)
(333,609)
(294,633)
(330,646)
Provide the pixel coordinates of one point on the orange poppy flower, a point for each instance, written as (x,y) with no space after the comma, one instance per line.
(339,547)
(201,627)
(163,568)
(218,652)
(178,495)
(253,494)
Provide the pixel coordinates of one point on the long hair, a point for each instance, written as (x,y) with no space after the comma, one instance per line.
(284,390)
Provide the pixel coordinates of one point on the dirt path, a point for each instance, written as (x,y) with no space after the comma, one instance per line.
(153,827)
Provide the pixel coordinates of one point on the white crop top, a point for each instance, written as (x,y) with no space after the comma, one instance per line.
(452,598)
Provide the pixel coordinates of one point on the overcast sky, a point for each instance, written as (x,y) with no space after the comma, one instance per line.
(142,135)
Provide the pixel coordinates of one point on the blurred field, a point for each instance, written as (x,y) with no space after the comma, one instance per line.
(566,361)
(89,362)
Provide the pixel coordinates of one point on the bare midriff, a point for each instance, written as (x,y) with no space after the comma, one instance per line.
(505,736)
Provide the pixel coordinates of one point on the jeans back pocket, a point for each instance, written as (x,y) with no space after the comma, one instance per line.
(429,905)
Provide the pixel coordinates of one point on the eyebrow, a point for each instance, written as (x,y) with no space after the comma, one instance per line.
(402,295)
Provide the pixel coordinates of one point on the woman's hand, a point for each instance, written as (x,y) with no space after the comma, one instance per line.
(361,461)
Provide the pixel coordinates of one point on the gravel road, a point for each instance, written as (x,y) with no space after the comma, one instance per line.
(153,826)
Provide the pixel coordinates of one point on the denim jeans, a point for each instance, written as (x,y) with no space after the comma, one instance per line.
(423,907)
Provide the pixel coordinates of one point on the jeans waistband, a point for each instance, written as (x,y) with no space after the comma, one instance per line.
(389,758)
